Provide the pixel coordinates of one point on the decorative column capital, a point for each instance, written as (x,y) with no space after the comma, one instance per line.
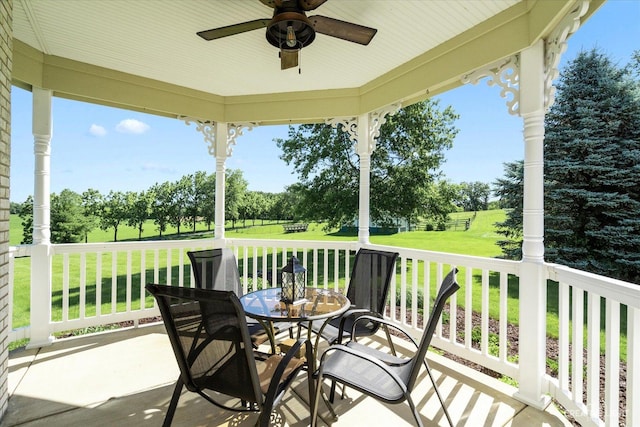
(208,129)
(504,73)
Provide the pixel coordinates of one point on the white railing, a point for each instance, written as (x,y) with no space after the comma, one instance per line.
(104,283)
(586,303)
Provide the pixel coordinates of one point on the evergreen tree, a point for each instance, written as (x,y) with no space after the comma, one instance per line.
(592,169)
(510,190)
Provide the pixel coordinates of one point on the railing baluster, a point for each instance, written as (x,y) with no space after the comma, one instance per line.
(403,291)
(633,366)
(114,281)
(612,364)
(563,335)
(143,278)
(484,315)
(504,292)
(468,308)
(83,286)
(65,287)
(128,283)
(577,346)
(414,292)
(593,354)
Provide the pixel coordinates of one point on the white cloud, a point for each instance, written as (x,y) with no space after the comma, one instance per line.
(132,126)
(97,130)
(154,167)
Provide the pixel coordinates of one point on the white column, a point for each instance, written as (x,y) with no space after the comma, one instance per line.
(41,251)
(364,152)
(221,133)
(532,347)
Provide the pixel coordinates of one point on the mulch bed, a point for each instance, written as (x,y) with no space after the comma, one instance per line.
(512,350)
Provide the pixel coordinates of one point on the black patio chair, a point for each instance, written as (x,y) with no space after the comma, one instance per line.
(381,375)
(217,269)
(368,291)
(212,345)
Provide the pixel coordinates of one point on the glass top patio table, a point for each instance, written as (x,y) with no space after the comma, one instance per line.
(266,304)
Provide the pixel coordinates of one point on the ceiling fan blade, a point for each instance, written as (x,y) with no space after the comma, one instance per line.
(305,5)
(230,30)
(270,3)
(288,59)
(342,29)
(308,5)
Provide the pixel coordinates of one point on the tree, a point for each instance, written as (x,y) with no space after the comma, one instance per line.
(161,206)
(592,169)
(91,205)
(26,215)
(474,196)
(404,165)
(138,206)
(510,190)
(114,212)
(208,202)
(68,222)
(236,187)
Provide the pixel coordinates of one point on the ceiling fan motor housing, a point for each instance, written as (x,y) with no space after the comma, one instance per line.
(277,29)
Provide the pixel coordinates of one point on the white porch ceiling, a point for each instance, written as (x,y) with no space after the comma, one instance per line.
(145,54)
(157,39)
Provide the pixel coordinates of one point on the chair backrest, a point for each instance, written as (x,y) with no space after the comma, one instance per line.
(370,278)
(216,269)
(448,287)
(210,339)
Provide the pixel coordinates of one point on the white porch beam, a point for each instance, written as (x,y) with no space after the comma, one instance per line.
(41,252)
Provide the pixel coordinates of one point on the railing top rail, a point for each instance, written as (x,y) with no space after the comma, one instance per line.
(508,266)
(616,290)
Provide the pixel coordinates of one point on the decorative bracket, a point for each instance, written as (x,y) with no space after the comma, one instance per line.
(555,46)
(349,125)
(376,120)
(208,129)
(504,73)
(235,130)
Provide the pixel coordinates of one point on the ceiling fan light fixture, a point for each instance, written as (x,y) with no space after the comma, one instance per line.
(290,30)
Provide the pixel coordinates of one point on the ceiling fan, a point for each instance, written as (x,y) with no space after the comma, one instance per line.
(290,29)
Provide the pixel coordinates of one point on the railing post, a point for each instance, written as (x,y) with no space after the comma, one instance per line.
(41,253)
(532,342)
(221,158)
(364,149)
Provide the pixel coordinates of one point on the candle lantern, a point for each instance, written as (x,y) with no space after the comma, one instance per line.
(294,279)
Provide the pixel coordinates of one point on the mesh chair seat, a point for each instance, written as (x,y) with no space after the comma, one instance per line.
(384,376)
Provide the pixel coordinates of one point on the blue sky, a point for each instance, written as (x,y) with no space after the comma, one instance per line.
(111,149)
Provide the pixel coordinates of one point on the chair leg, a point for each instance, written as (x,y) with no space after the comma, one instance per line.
(177,391)
(435,387)
(416,414)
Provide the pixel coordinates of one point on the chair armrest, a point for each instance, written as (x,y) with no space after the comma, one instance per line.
(346,314)
(383,321)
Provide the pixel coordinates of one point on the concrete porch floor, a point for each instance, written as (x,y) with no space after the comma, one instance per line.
(126,378)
